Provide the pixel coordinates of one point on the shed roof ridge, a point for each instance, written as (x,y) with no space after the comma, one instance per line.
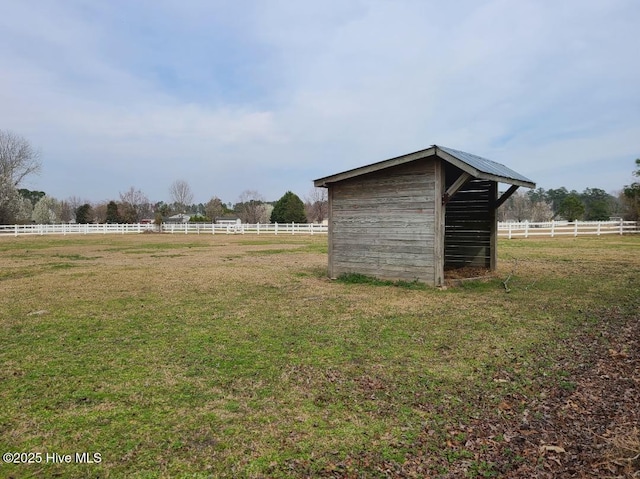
(476,165)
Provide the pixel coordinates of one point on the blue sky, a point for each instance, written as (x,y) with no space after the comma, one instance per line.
(269,95)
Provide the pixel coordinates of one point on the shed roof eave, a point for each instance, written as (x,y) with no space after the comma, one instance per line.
(380,165)
(483,175)
(504,179)
(445,154)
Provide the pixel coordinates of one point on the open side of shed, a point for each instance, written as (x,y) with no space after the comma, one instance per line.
(414,216)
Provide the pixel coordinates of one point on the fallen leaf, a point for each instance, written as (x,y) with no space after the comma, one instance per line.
(547,448)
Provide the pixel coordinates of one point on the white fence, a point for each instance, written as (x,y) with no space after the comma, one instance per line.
(505,230)
(564,228)
(177,228)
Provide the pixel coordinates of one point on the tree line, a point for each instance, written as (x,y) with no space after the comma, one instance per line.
(19,160)
(592,204)
(134,207)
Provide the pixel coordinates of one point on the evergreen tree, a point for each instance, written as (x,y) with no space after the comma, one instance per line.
(33,196)
(631,195)
(289,209)
(572,207)
(556,197)
(598,204)
(83,214)
(112,213)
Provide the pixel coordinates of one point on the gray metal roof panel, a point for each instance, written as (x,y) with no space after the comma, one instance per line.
(477,165)
(484,165)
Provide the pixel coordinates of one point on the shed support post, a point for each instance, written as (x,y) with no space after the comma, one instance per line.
(506,195)
(455,187)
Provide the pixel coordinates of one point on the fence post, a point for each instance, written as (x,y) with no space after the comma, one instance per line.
(16,233)
(599,223)
(575,229)
(276,229)
(621,227)
(258,228)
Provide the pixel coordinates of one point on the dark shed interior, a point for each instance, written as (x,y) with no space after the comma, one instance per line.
(469,222)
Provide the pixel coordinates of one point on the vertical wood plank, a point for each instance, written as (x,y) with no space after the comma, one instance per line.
(330,232)
(439,208)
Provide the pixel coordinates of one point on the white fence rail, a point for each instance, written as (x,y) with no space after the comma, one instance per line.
(564,228)
(176,228)
(505,230)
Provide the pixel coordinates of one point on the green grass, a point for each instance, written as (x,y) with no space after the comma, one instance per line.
(358,278)
(227,357)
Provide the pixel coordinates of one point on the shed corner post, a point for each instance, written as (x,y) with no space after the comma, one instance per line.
(439,224)
(330,231)
(493,213)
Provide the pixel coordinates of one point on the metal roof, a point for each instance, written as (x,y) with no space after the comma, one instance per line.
(484,165)
(475,165)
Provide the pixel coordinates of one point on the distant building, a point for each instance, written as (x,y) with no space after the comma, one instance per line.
(179,218)
(228,220)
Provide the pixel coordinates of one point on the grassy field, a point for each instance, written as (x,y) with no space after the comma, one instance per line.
(233,356)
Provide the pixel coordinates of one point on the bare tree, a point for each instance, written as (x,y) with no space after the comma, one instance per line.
(521,206)
(250,207)
(214,208)
(516,208)
(66,212)
(100,211)
(134,205)
(76,202)
(541,211)
(316,205)
(18,159)
(181,194)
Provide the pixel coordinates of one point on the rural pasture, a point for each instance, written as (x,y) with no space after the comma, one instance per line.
(234,356)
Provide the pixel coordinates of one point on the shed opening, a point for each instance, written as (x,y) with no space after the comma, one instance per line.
(469,225)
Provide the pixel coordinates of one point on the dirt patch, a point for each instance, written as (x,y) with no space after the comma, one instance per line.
(455,276)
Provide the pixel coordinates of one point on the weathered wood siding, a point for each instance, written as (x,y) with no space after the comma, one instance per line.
(383,224)
(470,225)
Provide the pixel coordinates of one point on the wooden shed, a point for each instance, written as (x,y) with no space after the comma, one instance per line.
(417,215)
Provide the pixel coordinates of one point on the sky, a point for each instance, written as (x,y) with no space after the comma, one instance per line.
(268,95)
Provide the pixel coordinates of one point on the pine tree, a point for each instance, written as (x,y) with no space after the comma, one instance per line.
(112,213)
(572,207)
(631,194)
(289,209)
(83,214)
